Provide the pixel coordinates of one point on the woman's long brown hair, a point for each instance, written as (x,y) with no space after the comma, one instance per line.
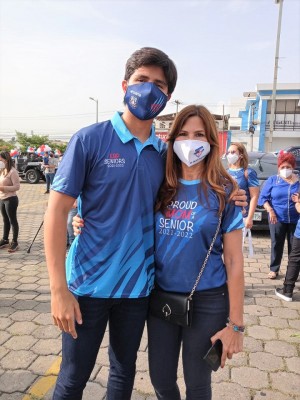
(213,172)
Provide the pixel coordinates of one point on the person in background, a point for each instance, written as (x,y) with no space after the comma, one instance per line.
(197,181)
(293,267)
(49,169)
(246,178)
(9,185)
(276,198)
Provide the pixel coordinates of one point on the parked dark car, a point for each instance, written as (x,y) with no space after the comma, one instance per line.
(29,168)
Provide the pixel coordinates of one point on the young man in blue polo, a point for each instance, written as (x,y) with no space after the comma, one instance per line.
(116,168)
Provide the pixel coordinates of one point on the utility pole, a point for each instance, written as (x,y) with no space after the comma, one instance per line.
(177,102)
(273,101)
(251,127)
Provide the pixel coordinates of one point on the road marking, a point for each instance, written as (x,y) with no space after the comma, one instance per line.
(45,383)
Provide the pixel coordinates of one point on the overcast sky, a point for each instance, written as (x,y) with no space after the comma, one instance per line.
(55,54)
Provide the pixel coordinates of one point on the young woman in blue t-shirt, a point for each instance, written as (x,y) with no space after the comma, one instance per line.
(246,178)
(196,189)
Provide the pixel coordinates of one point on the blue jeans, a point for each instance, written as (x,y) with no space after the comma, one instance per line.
(49,180)
(210,312)
(279,232)
(126,319)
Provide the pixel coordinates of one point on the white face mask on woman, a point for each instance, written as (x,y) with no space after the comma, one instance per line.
(2,165)
(232,158)
(191,152)
(285,172)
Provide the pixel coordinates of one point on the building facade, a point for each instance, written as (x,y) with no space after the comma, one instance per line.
(252,127)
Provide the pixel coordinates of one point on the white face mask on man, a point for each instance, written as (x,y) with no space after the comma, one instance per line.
(285,172)
(191,152)
(2,165)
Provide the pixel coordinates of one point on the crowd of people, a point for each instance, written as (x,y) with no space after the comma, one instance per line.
(177,225)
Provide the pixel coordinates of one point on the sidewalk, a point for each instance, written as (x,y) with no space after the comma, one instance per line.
(268,369)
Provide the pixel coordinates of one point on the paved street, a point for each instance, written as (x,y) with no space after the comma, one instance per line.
(268,369)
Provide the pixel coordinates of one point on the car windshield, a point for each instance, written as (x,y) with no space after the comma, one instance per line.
(264,164)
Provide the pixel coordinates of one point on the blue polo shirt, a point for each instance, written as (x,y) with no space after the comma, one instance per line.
(117,179)
(245,183)
(184,234)
(278,193)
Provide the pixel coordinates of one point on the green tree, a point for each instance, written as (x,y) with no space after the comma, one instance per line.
(33,140)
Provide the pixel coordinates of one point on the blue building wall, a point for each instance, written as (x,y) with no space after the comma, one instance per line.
(260,112)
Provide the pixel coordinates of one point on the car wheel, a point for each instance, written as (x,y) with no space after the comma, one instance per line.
(32,176)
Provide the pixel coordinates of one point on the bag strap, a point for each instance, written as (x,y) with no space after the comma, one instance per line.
(206,258)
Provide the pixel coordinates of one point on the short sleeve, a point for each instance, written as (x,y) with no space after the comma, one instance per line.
(73,168)
(232,218)
(265,193)
(252,178)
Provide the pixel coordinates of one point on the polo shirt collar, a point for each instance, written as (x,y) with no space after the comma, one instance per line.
(125,135)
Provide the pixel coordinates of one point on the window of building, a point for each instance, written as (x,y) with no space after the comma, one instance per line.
(286,115)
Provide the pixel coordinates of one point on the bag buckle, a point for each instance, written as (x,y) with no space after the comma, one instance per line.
(166,310)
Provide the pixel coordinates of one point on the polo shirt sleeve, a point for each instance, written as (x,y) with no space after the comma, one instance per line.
(265,194)
(73,168)
(252,178)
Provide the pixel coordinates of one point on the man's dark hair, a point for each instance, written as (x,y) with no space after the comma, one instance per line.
(151,56)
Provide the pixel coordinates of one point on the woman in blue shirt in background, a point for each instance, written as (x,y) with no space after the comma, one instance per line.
(246,178)
(276,198)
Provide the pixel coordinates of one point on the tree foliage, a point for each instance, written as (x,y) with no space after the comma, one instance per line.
(24,141)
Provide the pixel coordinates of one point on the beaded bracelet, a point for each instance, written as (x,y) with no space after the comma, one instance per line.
(235,327)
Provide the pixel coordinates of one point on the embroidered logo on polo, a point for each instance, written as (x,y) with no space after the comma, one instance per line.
(114,160)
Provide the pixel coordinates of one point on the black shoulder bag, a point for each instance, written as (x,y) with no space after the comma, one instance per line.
(177,308)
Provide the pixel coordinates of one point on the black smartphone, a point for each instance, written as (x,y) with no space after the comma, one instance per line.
(214,354)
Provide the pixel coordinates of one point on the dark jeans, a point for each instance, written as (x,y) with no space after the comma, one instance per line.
(126,319)
(49,180)
(9,214)
(293,267)
(279,232)
(210,311)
